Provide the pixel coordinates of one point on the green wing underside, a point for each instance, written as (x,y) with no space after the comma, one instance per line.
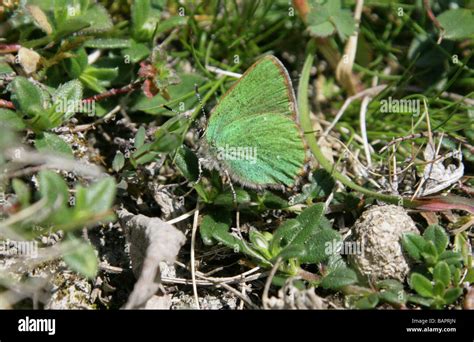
(257,115)
(264,88)
(275,159)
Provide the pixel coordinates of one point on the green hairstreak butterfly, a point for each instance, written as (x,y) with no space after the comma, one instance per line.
(252,134)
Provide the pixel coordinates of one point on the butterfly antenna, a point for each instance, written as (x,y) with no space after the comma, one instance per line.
(196,90)
(199,177)
(201,128)
(234,194)
(200,160)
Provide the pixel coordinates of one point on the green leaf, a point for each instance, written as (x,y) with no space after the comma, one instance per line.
(442,273)
(98,18)
(27,97)
(98,80)
(96,199)
(67,99)
(211,224)
(144,154)
(438,236)
(451,258)
(22,192)
(307,240)
(67,9)
(392,297)
(322,184)
(5,68)
(344,23)
(322,30)
(168,142)
(260,242)
(414,245)
(390,284)
(323,20)
(452,294)
(470,275)
(144,20)
(10,119)
(311,216)
(367,302)
(284,235)
(421,285)
(320,246)
(51,143)
(227,199)
(118,162)
(54,190)
(269,200)
(92,82)
(171,23)
(140,137)
(53,187)
(430,254)
(438,289)
(462,246)
(140,13)
(338,278)
(334,262)
(457,23)
(136,52)
(187,163)
(103,75)
(215,228)
(60,10)
(318,21)
(420,300)
(81,257)
(70,26)
(170,135)
(456,275)
(76,65)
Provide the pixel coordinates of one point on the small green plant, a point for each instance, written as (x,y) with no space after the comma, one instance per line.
(53,211)
(305,240)
(437,280)
(42,108)
(327,18)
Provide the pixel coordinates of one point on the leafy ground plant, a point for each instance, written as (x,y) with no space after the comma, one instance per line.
(258,132)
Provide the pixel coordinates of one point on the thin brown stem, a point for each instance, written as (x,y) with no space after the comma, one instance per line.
(9,48)
(96,98)
(430,14)
(113,92)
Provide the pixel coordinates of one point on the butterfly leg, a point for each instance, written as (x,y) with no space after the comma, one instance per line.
(234,194)
(200,160)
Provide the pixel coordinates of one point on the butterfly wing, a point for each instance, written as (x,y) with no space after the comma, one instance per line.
(252,132)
